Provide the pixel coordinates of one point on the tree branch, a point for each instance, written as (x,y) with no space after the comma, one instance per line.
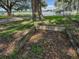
(3,3)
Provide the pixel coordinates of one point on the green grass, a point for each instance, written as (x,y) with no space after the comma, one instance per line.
(36,49)
(59,19)
(76,17)
(27,15)
(4,17)
(53,17)
(13,27)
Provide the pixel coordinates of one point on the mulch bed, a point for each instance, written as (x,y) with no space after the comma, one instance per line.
(55,45)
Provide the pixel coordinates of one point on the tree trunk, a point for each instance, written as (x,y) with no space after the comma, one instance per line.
(36,9)
(33,9)
(40,11)
(78,7)
(9,12)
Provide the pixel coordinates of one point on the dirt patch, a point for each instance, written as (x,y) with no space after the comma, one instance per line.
(8,47)
(54,45)
(43,45)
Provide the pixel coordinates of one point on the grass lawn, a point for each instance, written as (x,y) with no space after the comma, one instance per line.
(60,19)
(8,29)
(4,17)
(54,19)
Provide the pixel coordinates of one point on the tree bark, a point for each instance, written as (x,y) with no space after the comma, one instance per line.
(7,5)
(36,9)
(9,12)
(40,10)
(33,9)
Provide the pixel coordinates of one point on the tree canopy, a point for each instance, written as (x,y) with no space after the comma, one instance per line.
(8,5)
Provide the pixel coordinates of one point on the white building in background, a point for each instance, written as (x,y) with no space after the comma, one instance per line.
(67,7)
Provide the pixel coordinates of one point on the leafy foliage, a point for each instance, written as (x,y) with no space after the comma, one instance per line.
(8,5)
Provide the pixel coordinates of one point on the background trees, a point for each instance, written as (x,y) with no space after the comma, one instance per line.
(68,5)
(37,5)
(8,5)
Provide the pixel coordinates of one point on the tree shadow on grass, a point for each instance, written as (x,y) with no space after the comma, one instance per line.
(9,47)
(12,34)
(13,28)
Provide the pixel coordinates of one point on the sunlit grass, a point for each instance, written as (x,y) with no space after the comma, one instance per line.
(60,19)
(4,17)
(13,27)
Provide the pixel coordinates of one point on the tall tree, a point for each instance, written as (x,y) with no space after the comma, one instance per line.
(9,4)
(36,8)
